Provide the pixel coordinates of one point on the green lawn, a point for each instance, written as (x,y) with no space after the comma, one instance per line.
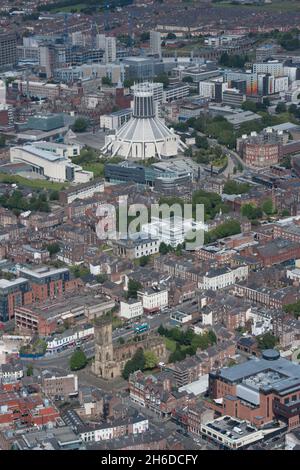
(34,184)
(276,5)
(71,8)
(96,168)
(170,344)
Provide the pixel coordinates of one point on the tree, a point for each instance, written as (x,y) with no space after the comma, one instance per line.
(212,337)
(144,260)
(150,360)
(80,125)
(128,82)
(280,108)
(101,278)
(285,213)
(121,340)
(2,140)
(161,330)
(252,212)
(267,341)
(293,308)
(249,106)
(267,207)
(233,187)
(133,288)
(177,355)
(136,363)
(53,248)
(293,109)
(78,360)
(201,142)
(54,195)
(163,248)
(106,81)
(29,371)
(145,36)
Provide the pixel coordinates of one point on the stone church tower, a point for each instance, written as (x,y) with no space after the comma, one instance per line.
(110,359)
(103,348)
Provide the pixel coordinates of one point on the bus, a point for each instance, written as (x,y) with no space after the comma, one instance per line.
(141,328)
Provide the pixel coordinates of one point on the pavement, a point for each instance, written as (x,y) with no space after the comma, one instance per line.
(94,140)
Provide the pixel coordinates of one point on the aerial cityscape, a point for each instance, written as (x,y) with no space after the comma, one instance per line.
(150,226)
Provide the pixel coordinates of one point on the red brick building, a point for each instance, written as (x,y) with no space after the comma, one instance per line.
(259,390)
(278,251)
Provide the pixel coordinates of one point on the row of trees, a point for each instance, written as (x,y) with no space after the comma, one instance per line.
(233,187)
(17,203)
(267,341)
(293,308)
(236,60)
(218,128)
(81,124)
(227,229)
(253,212)
(142,360)
(164,249)
(187,342)
(212,203)
(209,154)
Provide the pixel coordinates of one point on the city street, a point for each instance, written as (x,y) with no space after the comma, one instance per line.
(60,361)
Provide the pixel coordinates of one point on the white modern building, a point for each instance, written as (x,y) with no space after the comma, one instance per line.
(293,274)
(115,120)
(108,44)
(207,89)
(153,300)
(222,277)
(131,309)
(173,230)
(176,92)
(144,135)
(2,92)
(272,67)
(63,150)
(155,42)
(49,165)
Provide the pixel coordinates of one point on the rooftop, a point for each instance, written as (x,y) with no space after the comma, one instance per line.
(278,374)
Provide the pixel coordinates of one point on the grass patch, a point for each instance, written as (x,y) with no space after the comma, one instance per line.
(117,323)
(170,344)
(71,8)
(34,184)
(276,5)
(96,168)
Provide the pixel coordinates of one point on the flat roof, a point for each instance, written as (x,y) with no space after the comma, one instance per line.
(279,374)
(46,155)
(43,271)
(4,283)
(232,427)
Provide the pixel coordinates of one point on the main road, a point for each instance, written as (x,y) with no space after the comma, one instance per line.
(60,361)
